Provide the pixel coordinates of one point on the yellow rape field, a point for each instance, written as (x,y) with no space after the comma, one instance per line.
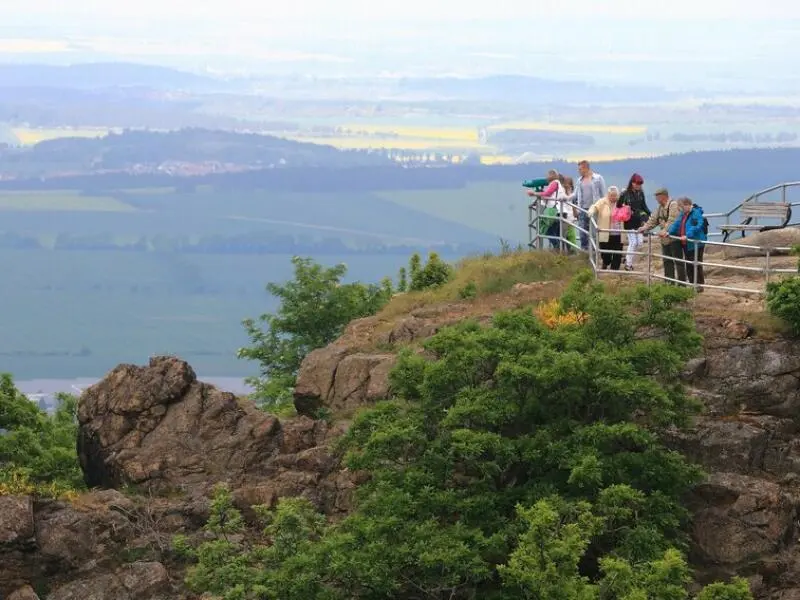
(401,143)
(28,136)
(456,134)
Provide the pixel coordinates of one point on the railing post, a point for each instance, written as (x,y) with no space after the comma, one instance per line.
(562,247)
(649,259)
(767,268)
(531,229)
(539,213)
(694,266)
(594,237)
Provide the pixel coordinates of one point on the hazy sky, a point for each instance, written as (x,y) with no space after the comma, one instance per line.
(683,41)
(406,9)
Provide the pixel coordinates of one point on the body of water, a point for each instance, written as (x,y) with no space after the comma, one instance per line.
(76,386)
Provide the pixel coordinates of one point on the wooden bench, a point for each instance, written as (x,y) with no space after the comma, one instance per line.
(755,210)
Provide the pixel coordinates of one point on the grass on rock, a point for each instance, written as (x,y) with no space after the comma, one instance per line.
(486,275)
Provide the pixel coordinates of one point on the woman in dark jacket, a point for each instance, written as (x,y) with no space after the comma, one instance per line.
(633,196)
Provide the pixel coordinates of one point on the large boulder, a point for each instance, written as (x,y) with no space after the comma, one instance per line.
(339,381)
(739,520)
(772,239)
(159,425)
(159,428)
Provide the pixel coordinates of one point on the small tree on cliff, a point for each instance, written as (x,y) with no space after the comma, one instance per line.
(37,450)
(783,299)
(315,308)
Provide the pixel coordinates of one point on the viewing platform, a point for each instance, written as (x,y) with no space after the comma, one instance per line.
(748,246)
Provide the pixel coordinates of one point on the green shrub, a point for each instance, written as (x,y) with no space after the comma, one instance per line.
(469,291)
(37,451)
(783,301)
(435,273)
(508,466)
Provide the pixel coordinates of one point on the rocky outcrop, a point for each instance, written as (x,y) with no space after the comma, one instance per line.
(169,438)
(159,428)
(82,549)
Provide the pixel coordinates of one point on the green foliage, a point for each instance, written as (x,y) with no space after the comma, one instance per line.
(738,589)
(402,280)
(783,301)
(545,563)
(435,273)
(520,461)
(37,451)
(469,291)
(236,568)
(315,308)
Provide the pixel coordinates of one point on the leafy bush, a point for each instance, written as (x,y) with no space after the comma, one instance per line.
(37,451)
(315,308)
(509,466)
(469,291)
(783,301)
(435,273)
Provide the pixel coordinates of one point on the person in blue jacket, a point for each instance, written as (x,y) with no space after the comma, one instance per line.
(690,228)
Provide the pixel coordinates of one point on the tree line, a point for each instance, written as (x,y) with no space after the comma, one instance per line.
(741,171)
(265,242)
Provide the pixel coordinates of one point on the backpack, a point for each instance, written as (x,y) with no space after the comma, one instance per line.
(705,221)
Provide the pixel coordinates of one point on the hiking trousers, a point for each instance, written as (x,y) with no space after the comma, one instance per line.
(689,256)
(611,252)
(674,268)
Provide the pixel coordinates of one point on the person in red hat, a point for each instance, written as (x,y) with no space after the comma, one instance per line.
(633,196)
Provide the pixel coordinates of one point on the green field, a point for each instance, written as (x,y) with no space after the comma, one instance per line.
(64,200)
(73,312)
(76,314)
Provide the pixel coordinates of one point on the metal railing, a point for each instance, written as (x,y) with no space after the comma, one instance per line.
(714,218)
(687,269)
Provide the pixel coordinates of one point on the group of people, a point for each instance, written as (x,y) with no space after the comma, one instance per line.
(682,227)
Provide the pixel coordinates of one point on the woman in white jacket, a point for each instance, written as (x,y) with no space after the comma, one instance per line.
(609,235)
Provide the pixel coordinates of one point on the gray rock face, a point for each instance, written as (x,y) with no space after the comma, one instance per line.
(746,514)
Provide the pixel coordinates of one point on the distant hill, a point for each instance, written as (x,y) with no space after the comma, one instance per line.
(186,150)
(101,75)
(533,89)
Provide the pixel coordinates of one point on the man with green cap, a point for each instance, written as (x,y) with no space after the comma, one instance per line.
(664,216)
